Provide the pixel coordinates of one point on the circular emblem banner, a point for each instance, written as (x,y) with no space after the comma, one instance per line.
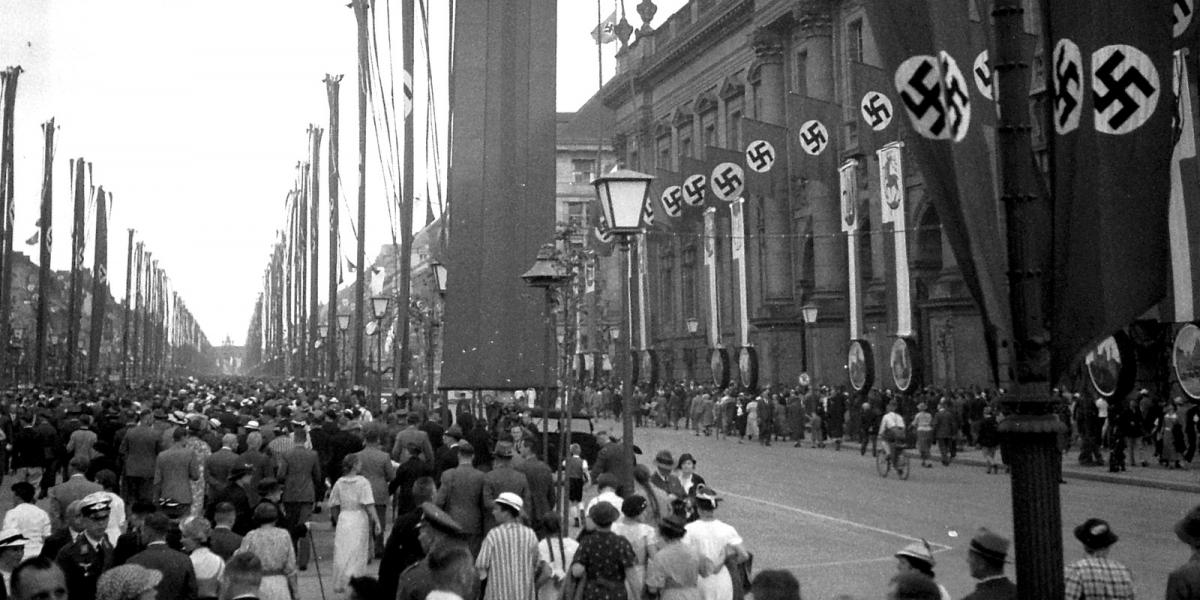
(1185,357)
(860,364)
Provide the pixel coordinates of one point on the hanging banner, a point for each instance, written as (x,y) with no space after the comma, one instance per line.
(710,269)
(849,200)
(737,230)
(891,193)
(1184,180)
(642,281)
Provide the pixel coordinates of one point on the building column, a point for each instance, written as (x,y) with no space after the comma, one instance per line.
(768,52)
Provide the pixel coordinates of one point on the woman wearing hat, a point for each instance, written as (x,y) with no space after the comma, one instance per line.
(719,545)
(1169,431)
(917,557)
(273,546)
(605,560)
(674,571)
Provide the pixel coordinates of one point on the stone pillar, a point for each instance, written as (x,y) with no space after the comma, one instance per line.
(768,52)
(815,20)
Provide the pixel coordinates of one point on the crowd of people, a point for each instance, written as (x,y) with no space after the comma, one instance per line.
(201,490)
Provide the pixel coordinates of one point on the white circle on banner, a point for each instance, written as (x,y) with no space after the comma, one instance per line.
(760,156)
(983,74)
(693,190)
(1125,88)
(1181,16)
(1068,86)
(728,180)
(958,97)
(603,235)
(672,201)
(876,109)
(814,137)
(919,83)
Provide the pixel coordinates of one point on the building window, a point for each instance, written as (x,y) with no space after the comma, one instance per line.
(800,85)
(708,129)
(664,152)
(854,41)
(584,170)
(733,122)
(685,143)
(577,216)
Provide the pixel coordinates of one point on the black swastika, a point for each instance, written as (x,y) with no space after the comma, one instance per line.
(956,102)
(814,137)
(1064,76)
(1117,89)
(876,111)
(930,98)
(760,156)
(693,189)
(728,183)
(1183,10)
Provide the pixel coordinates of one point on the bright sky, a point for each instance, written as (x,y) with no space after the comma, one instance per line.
(194,114)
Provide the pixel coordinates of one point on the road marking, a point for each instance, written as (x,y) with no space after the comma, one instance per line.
(840,521)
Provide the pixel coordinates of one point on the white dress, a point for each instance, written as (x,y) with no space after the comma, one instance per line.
(353,534)
(710,538)
(33,522)
(552,554)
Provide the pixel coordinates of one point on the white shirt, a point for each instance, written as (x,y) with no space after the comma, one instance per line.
(32,522)
(890,420)
(1102,408)
(116,518)
(610,497)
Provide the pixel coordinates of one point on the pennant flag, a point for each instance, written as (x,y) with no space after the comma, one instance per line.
(963,194)
(1112,74)
(37,236)
(1185,185)
(605,31)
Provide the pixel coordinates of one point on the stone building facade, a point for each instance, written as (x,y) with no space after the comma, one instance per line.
(687,90)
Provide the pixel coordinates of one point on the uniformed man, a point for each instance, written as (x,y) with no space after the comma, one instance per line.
(90,554)
(437,531)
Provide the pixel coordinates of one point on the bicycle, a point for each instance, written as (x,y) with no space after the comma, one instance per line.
(884,461)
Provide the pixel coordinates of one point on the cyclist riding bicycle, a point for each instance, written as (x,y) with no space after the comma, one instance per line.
(891,432)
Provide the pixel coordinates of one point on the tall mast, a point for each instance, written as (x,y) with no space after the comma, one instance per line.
(125,324)
(99,284)
(332,85)
(314,292)
(7,203)
(360,13)
(401,357)
(73,320)
(44,221)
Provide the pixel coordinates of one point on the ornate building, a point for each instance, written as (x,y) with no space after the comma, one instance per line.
(688,95)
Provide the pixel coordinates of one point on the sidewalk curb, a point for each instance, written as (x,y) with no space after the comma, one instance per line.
(1107,477)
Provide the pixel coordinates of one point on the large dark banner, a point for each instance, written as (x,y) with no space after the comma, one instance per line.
(502,190)
(1113,109)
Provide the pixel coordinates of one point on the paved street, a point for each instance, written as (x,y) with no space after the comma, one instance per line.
(828,517)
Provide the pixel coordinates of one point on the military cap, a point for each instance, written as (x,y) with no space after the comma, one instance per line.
(439,519)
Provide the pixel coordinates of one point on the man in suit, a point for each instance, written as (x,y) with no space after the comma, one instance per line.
(61,536)
(502,478)
(175,470)
(12,550)
(614,459)
(74,488)
(140,448)
(219,464)
(223,541)
(412,435)
(541,497)
(130,542)
(985,558)
(300,472)
(377,468)
(90,554)
(243,498)
(243,576)
(178,575)
(662,478)
(461,495)
(261,465)
(412,467)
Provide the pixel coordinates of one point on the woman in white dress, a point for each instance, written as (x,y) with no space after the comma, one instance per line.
(715,541)
(352,508)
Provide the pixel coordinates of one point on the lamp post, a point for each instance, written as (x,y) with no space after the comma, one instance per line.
(343,323)
(379,308)
(622,195)
(693,326)
(809,313)
(546,273)
(439,283)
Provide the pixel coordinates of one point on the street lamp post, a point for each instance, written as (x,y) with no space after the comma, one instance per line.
(693,326)
(809,313)
(622,195)
(546,273)
(379,308)
(439,283)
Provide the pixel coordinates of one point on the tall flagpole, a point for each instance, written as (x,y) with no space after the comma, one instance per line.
(332,85)
(99,284)
(314,292)
(73,302)
(44,242)
(128,312)
(401,356)
(360,12)
(8,201)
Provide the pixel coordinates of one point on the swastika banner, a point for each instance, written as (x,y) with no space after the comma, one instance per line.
(1113,109)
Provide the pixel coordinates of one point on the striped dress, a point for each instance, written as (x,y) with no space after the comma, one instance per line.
(508,559)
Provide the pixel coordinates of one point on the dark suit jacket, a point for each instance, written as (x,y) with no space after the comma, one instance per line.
(613,458)
(67,492)
(377,468)
(262,466)
(416,436)
(81,580)
(217,468)
(401,550)
(461,495)
(128,544)
(541,497)
(178,575)
(300,471)
(242,502)
(500,479)
(58,539)
(995,589)
(224,542)
(669,484)
(174,472)
(401,486)
(140,447)
(482,442)
(1184,583)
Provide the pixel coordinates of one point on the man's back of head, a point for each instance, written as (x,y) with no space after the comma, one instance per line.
(243,575)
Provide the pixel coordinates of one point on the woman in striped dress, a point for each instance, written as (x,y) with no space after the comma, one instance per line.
(508,558)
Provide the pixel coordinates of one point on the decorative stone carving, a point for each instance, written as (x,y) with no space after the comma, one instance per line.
(646,10)
(814,17)
(767,45)
(623,30)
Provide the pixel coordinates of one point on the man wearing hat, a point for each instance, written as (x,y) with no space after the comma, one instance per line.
(179,576)
(90,554)
(1184,582)
(413,435)
(502,478)
(12,551)
(663,479)
(985,559)
(1097,576)
(412,467)
(175,470)
(437,529)
(445,457)
(241,495)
